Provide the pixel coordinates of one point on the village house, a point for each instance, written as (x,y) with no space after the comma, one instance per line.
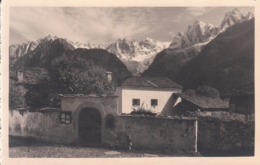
(154,94)
(101,120)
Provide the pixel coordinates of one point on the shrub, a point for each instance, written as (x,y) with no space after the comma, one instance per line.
(16,95)
(208,91)
(37,96)
(141,110)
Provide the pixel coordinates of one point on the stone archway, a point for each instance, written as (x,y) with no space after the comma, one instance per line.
(89,126)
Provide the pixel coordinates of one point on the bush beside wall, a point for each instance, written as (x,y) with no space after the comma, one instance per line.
(227,137)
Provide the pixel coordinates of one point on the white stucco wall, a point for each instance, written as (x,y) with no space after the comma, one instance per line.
(164,98)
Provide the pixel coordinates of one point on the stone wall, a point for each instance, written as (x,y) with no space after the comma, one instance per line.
(151,133)
(227,136)
(44,126)
(210,134)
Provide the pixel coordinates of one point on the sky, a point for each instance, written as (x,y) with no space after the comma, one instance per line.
(103,25)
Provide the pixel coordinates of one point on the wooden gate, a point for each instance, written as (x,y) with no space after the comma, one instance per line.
(89,126)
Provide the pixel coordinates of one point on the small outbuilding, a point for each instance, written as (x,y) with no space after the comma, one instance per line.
(193,103)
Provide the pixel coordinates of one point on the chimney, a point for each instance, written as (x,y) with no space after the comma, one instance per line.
(109,77)
(19,75)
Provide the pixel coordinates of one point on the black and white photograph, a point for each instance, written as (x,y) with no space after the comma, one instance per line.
(131,82)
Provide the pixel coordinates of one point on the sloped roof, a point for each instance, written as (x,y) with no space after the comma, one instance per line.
(151,82)
(85,95)
(204,101)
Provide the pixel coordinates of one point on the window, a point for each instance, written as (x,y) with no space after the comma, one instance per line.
(136,102)
(154,102)
(65,118)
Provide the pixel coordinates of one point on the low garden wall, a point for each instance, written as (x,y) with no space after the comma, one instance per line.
(44,126)
(209,134)
(151,133)
(225,136)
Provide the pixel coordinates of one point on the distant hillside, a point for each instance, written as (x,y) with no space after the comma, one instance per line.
(45,53)
(226,62)
(170,62)
(185,46)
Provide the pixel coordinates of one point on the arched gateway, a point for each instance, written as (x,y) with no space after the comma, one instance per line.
(88,115)
(89,126)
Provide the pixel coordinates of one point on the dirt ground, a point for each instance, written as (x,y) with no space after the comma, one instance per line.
(70,152)
(32,149)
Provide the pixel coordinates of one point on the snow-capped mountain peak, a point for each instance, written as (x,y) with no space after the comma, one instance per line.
(132,52)
(197,33)
(249,15)
(88,45)
(147,39)
(201,33)
(18,50)
(199,23)
(231,18)
(148,43)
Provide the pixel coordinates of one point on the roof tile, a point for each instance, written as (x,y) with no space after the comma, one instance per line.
(152,82)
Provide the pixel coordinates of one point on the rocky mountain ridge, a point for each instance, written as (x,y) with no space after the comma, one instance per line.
(201,32)
(225,63)
(188,45)
(137,56)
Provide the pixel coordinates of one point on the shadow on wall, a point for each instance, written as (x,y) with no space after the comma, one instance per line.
(168,108)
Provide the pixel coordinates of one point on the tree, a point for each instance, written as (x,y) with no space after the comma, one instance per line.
(37,96)
(77,75)
(16,95)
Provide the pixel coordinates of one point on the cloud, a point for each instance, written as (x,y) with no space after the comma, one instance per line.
(198,11)
(191,13)
(172,34)
(104,25)
(79,24)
